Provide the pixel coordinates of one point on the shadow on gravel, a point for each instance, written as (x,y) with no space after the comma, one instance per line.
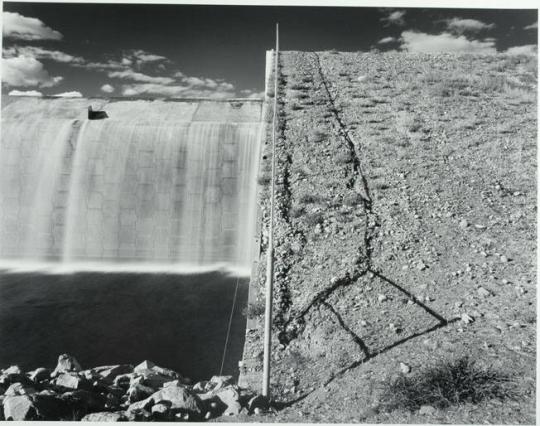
(369,354)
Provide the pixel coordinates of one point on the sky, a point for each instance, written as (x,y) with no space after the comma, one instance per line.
(176,50)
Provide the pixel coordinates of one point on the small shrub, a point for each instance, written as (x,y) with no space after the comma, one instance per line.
(352,199)
(300,95)
(319,135)
(381,185)
(343,157)
(446,384)
(254,310)
(308,198)
(296,107)
(296,211)
(314,218)
(298,86)
(264,179)
(307,79)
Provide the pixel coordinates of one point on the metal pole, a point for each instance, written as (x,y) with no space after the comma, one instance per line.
(270,259)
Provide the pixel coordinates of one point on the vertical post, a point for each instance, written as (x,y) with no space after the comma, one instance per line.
(270,258)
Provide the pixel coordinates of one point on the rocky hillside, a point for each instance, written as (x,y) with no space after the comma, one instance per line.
(405,241)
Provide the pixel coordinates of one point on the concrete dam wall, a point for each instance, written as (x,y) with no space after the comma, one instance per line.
(158,182)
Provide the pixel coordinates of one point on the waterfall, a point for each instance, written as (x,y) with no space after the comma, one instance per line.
(169,183)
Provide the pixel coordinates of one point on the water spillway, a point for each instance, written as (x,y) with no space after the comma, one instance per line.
(158,182)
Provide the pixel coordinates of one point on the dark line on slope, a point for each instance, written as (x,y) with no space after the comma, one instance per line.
(353,335)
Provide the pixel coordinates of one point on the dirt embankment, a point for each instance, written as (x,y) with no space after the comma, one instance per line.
(406,236)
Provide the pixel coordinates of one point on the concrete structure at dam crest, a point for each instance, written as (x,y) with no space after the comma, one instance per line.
(157,181)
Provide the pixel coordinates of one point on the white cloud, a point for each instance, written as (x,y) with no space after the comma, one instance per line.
(528,49)
(386,40)
(73,94)
(26,71)
(445,42)
(25,93)
(105,66)
(141,56)
(532,26)
(139,77)
(40,53)
(467,25)
(107,88)
(174,91)
(18,26)
(394,17)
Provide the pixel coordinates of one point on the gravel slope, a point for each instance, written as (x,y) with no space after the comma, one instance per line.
(406,232)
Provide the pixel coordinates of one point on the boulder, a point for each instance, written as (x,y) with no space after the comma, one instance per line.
(112,401)
(160,411)
(153,380)
(105,416)
(19,389)
(14,369)
(116,391)
(146,366)
(9,378)
(200,387)
(83,401)
(178,399)
(19,408)
(231,399)
(219,382)
(39,374)
(50,406)
(181,399)
(66,363)
(71,381)
(138,415)
(110,372)
(124,380)
(144,404)
(138,392)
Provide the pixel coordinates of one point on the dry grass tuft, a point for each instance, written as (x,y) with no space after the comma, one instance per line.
(449,383)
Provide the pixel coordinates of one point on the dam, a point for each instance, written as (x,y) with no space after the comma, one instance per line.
(158,182)
(128,237)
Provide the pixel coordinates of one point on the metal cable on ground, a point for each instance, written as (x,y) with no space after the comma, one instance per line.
(229,327)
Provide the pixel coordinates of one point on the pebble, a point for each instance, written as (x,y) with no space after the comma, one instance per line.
(482,292)
(504,259)
(467,319)
(427,410)
(382,297)
(404,368)
(463,223)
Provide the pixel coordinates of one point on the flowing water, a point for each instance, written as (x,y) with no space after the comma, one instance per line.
(157,182)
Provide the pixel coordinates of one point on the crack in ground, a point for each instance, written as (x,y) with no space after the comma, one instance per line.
(292,327)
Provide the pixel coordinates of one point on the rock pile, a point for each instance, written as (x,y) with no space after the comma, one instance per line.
(146,392)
